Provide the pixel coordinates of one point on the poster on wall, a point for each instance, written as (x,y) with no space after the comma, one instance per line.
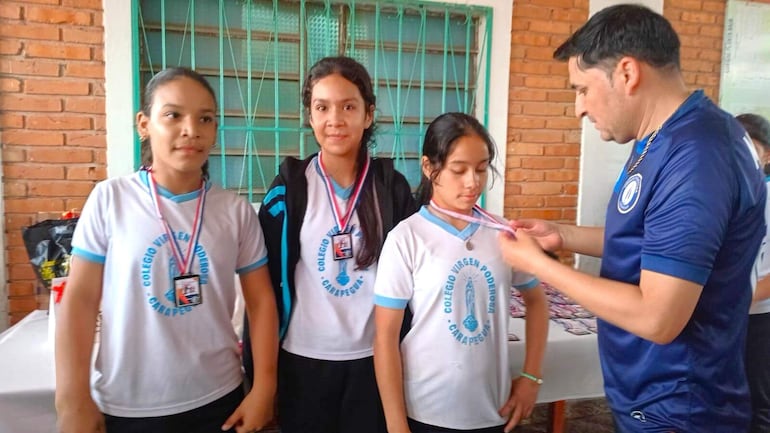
(745,83)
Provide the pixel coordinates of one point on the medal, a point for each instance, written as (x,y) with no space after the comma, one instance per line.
(342,241)
(187,290)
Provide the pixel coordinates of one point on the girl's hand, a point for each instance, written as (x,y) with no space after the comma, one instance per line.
(521,402)
(253,414)
(80,417)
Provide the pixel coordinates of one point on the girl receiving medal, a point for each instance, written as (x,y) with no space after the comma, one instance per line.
(451,372)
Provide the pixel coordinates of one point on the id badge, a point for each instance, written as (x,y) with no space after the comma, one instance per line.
(187,290)
(343,246)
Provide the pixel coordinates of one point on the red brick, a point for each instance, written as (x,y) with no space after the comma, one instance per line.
(527,95)
(60,189)
(562,176)
(550,27)
(58,51)
(33,171)
(542,163)
(531,67)
(563,149)
(10,85)
(15,221)
(14,189)
(97,54)
(55,87)
(522,201)
(75,203)
(542,136)
(23,304)
(521,175)
(21,288)
(544,109)
(29,31)
(84,69)
(83,4)
(531,39)
(32,204)
(81,139)
(563,123)
(34,138)
(29,67)
(10,11)
(57,16)
(86,172)
(524,149)
(29,103)
(546,82)
(50,154)
(58,122)
(83,35)
(541,188)
(10,47)
(10,120)
(100,123)
(11,154)
(547,214)
(526,123)
(84,105)
(561,201)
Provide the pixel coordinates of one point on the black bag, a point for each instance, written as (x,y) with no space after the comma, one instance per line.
(49,244)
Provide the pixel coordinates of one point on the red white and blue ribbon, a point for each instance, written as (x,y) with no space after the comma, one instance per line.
(342,221)
(184,263)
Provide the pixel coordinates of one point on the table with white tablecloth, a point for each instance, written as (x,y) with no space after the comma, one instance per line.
(27,377)
(571,367)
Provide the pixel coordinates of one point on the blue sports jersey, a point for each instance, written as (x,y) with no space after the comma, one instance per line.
(693,209)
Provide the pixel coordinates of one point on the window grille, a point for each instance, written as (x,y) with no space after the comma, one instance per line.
(425,58)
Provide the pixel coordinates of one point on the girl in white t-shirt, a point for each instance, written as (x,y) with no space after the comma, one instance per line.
(157,252)
(451,371)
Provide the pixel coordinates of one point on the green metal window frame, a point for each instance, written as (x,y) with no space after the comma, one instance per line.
(431,52)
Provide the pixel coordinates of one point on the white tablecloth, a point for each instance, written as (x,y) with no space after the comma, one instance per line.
(571,367)
(571,370)
(27,377)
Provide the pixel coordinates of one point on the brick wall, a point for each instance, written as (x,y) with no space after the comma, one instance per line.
(543,135)
(52,120)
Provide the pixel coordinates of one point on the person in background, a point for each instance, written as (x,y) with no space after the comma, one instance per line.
(758,337)
(338,205)
(451,373)
(681,235)
(156,252)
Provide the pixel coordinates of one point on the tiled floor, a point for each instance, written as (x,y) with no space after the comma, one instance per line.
(583,416)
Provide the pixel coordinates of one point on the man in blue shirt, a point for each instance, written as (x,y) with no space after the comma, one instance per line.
(683,228)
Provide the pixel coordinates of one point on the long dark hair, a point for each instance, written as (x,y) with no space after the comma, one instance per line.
(368,213)
(158,80)
(440,138)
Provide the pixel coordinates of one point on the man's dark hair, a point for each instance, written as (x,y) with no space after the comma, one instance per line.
(758,128)
(622,30)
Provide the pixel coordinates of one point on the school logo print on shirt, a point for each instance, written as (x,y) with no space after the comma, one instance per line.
(470,291)
(165,304)
(335,274)
(629,194)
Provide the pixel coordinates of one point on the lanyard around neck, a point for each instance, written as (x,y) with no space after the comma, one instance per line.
(342,221)
(489,220)
(184,263)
